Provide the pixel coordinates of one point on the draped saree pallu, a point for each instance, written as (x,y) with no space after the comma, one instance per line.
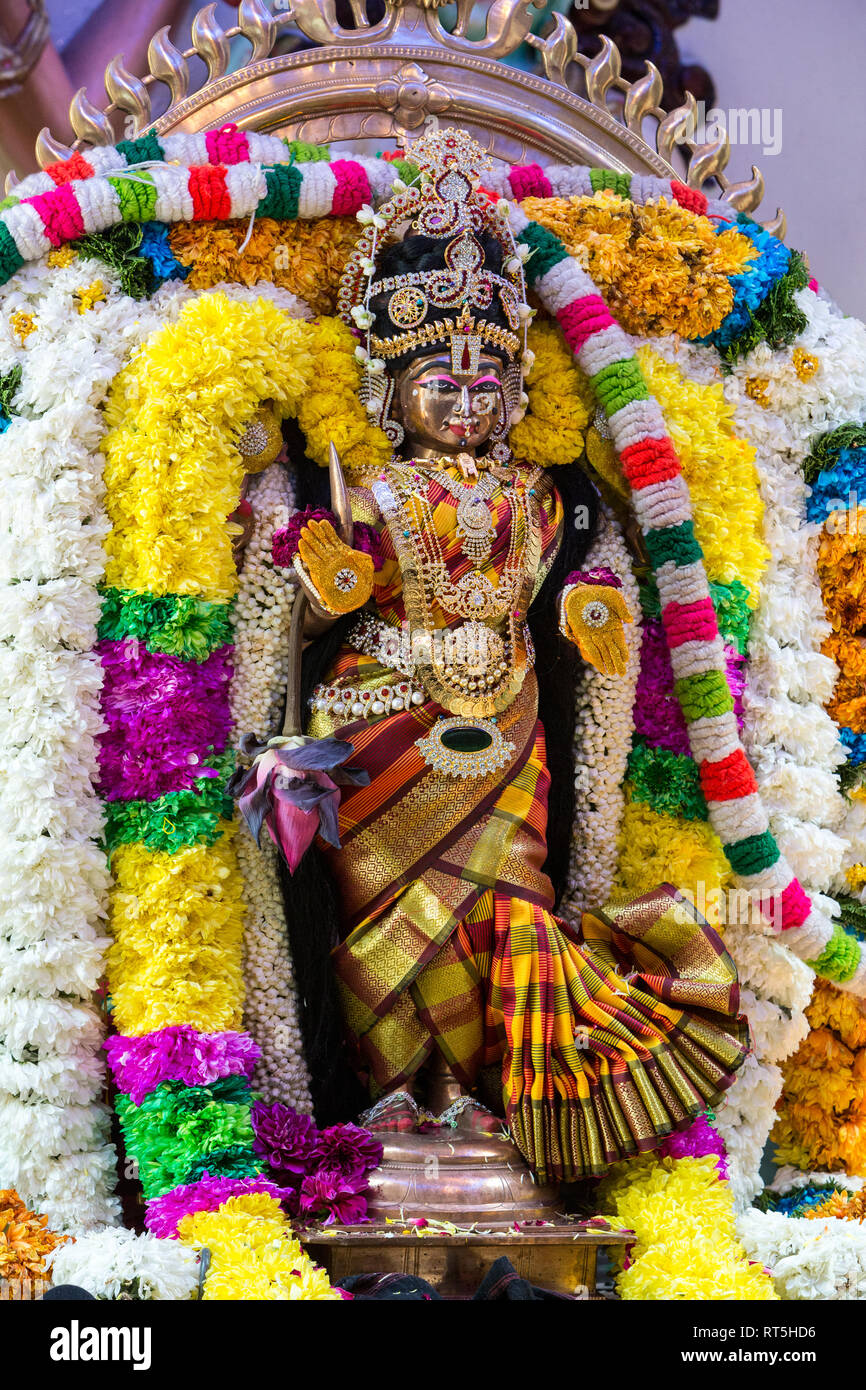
(608,1038)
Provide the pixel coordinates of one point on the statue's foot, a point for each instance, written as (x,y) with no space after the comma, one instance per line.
(395,1113)
(477,1119)
(466,1114)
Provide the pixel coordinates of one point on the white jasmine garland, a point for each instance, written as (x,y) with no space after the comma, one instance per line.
(603,735)
(262,616)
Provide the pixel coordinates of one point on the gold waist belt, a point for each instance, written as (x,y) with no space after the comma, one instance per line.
(469,669)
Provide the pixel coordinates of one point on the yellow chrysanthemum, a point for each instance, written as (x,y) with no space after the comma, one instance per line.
(719,468)
(330,410)
(657,848)
(254,1253)
(173,473)
(177,921)
(560,403)
(686,1244)
(661,268)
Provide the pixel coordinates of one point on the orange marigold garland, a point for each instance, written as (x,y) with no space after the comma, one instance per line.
(822,1120)
(662,269)
(25,1239)
(306,258)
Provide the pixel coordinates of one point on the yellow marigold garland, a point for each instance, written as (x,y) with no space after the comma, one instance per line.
(254,1253)
(686,1245)
(173,473)
(719,468)
(661,268)
(560,403)
(305,257)
(177,920)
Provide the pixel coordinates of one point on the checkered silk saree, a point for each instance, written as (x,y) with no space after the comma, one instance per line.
(609,1037)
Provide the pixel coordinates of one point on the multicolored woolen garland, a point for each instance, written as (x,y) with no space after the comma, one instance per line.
(663,507)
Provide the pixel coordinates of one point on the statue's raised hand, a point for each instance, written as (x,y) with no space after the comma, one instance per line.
(337,578)
(593,617)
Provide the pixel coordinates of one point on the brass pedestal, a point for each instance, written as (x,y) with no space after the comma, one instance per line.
(445,1203)
(458,1176)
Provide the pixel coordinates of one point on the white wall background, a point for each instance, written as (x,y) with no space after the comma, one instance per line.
(807,57)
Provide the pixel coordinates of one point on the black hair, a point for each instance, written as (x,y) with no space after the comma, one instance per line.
(423,253)
(311,896)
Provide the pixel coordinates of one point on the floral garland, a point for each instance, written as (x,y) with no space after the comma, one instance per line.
(261,630)
(52,947)
(822,1119)
(661,267)
(823,1259)
(55,1145)
(254,1253)
(681,1210)
(782,397)
(323,1172)
(602,740)
(306,258)
(553,428)
(118,1264)
(175,968)
(26,1243)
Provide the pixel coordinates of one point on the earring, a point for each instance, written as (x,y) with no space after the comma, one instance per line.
(380,398)
(500,450)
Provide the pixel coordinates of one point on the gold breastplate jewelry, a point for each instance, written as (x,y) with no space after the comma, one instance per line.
(475,668)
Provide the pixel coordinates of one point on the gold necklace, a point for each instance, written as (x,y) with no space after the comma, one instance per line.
(472,669)
(474,595)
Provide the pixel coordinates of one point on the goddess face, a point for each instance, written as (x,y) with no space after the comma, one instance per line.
(447,411)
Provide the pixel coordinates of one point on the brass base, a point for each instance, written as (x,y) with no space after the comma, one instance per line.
(459,1176)
(560,1257)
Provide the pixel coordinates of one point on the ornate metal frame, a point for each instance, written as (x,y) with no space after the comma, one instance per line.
(382,81)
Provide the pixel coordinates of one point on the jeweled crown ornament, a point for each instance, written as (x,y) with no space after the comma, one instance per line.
(447,200)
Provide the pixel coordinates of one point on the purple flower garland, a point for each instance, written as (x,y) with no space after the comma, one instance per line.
(165,719)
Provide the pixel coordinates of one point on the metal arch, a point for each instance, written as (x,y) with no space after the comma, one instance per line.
(382,81)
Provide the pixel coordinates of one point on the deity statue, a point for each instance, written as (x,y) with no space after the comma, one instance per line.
(448,609)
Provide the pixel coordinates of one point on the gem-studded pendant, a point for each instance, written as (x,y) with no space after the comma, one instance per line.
(462,747)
